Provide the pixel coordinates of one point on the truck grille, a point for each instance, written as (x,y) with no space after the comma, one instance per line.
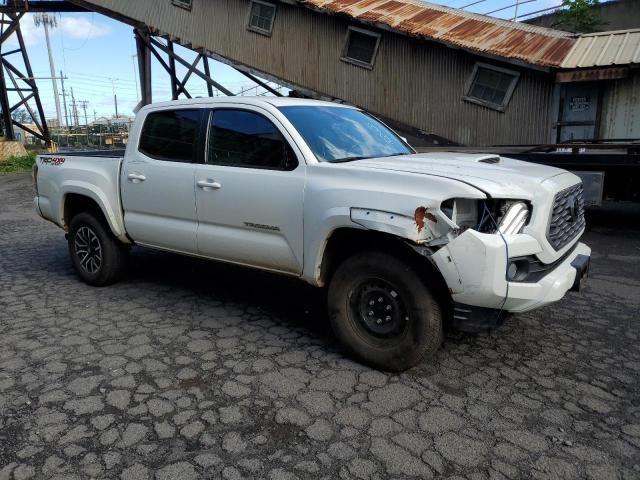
(567,216)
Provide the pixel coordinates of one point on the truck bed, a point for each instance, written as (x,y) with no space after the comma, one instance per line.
(93,174)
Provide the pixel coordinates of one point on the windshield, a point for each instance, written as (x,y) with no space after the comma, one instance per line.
(338,134)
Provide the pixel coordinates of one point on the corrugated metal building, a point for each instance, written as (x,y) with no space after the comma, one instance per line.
(600,87)
(468,78)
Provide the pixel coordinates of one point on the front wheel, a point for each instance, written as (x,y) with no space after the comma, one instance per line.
(382,312)
(98,257)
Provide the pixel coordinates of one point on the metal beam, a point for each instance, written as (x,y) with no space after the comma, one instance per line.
(32,132)
(186,64)
(259,82)
(13,26)
(175,83)
(39,6)
(6,108)
(23,99)
(172,73)
(207,72)
(9,28)
(191,69)
(144,67)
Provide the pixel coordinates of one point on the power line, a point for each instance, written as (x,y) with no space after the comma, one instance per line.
(558,7)
(510,6)
(472,4)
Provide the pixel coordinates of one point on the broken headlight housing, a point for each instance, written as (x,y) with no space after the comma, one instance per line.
(507,217)
(462,211)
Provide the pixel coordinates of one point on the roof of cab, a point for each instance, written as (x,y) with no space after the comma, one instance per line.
(261,100)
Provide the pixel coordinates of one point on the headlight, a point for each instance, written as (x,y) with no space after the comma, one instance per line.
(514,219)
(507,217)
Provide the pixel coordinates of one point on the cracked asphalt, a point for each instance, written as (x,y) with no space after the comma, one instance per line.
(189,369)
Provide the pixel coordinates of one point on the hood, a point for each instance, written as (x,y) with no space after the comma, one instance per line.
(497,176)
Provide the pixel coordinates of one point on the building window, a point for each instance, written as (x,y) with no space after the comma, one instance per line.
(261,16)
(360,47)
(491,86)
(182,3)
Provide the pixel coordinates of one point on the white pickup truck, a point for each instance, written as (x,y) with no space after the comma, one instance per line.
(406,243)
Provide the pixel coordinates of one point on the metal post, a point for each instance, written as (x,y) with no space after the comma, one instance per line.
(144,67)
(6,108)
(172,73)
(207,72)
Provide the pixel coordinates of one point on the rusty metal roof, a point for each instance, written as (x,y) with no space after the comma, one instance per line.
(478,33)
(605,49)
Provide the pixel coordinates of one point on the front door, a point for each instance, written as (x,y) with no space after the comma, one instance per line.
(157,181)
(579,112)
(249,193)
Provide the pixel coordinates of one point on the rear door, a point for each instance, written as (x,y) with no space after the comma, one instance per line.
(157,181)
(249,193)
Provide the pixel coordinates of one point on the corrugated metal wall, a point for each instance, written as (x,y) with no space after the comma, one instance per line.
(621,108)
(414,82)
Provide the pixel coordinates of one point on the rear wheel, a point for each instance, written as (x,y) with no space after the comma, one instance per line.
(383,312)
(98,257)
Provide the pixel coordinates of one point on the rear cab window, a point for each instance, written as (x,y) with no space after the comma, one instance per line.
(171,135)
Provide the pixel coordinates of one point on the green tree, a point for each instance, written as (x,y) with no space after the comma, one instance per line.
(21,115)
(580,16)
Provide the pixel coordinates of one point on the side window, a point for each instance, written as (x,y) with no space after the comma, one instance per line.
(170,135)
(241,138)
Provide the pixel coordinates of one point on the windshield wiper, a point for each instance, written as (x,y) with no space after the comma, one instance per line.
(349,159)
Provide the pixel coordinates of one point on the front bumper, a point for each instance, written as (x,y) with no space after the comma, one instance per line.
(474,266)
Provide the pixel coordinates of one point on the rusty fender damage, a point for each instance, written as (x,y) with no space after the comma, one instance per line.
(428,226)
(425,232)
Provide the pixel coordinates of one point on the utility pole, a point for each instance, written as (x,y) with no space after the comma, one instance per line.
(115,97)
(74,109)
(48,21)
(515,13)
(83,104)
(64,99)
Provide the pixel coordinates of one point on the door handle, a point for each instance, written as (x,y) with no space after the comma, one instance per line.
(136,177)
(208,183)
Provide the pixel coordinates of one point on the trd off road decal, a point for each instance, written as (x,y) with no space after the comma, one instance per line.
(52,160)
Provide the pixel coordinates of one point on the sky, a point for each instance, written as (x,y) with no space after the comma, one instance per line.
(96,56)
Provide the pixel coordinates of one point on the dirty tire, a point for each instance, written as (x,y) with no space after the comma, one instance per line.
(86,231)
(380,279)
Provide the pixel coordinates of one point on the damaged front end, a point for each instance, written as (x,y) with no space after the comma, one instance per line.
(466,240)
(438,225)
